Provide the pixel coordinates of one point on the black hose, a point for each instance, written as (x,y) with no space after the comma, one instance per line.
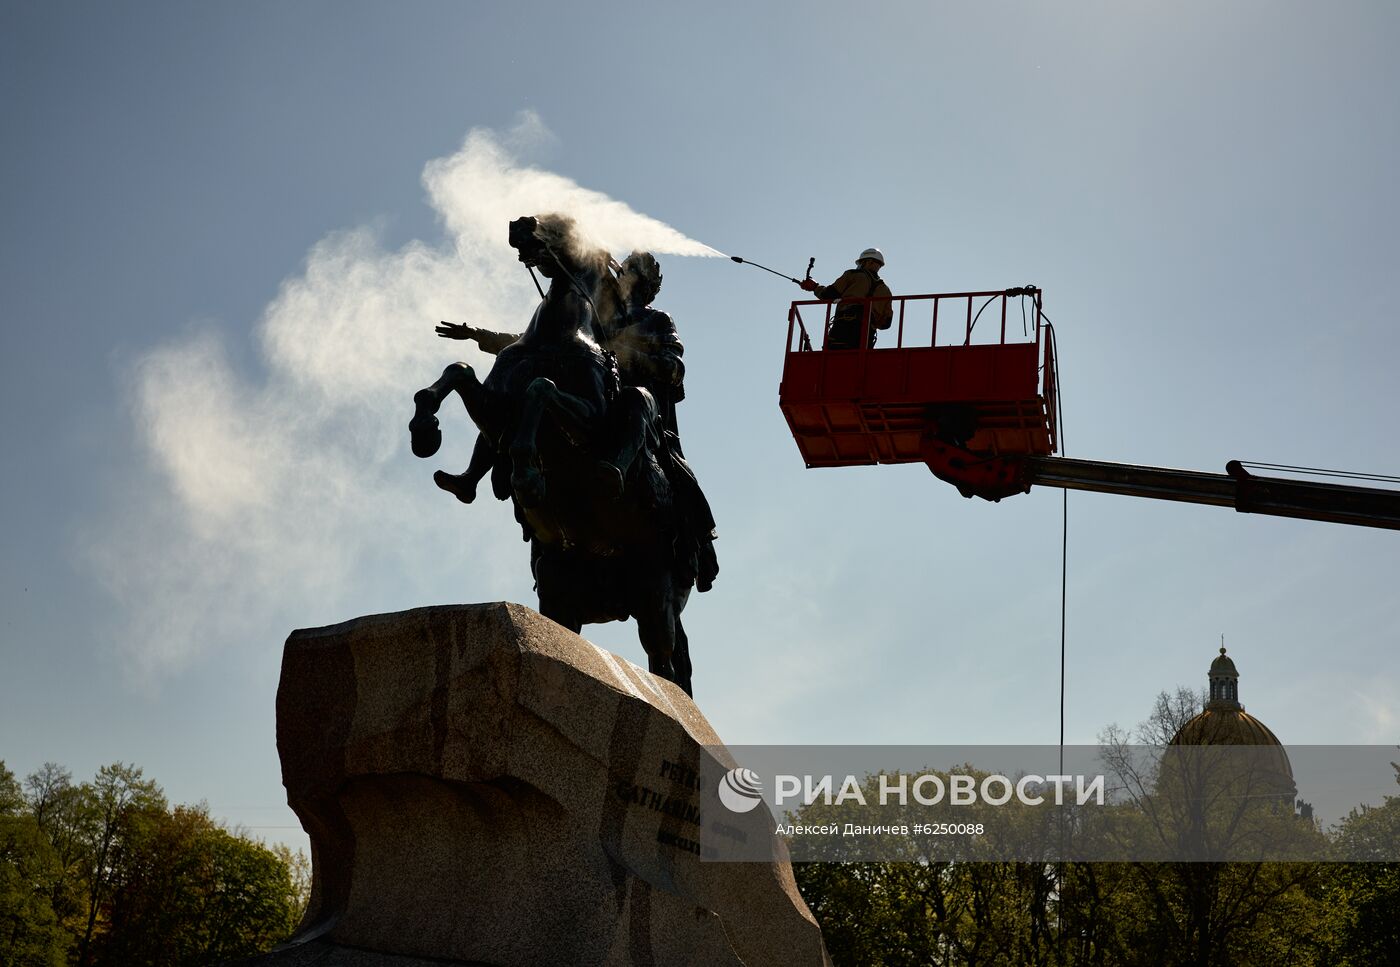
(975,318)
(735,258)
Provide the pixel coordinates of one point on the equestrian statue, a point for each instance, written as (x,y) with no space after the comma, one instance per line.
(577,421)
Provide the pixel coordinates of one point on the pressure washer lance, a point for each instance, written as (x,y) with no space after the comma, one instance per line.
(810,262)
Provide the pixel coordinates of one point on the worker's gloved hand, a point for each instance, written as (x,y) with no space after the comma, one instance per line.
(811,285)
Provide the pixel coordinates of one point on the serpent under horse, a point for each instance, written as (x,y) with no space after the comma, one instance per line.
(603,538)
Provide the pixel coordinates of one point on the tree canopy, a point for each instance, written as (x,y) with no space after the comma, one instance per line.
(106,872)
(976,909)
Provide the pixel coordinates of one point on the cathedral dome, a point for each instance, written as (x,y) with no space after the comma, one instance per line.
(1224,722)
(1226,726)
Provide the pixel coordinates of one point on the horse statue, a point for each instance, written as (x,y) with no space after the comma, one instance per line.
(586,460)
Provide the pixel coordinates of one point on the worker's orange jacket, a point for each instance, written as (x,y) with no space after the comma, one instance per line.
(857,283)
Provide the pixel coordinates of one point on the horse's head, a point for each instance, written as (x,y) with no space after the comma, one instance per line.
(553,242)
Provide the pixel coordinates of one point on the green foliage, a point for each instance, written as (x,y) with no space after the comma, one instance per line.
(190,892)
(969,906)
(996,913)
(11,795)
(1363,899)
(105,807)
(106,873)
(938,900)
(298,866)
(30,934)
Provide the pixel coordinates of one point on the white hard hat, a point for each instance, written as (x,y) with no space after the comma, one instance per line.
(871,253)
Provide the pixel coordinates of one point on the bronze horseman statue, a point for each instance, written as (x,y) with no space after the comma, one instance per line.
(578,429)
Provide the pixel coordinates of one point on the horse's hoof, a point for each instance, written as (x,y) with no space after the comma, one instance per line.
(424,432)
(456,485)
(425,435)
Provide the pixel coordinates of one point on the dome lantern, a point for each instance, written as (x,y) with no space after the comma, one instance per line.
(1224,683)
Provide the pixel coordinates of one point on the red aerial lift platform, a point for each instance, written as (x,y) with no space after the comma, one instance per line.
(979,406)
(937,386)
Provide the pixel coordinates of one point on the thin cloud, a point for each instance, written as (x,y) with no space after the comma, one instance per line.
(292,498)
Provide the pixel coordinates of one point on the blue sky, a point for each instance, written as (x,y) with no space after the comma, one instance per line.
(202,204)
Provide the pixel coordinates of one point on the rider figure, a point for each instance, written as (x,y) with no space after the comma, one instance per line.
(649,363)
(649,360)
(648,352)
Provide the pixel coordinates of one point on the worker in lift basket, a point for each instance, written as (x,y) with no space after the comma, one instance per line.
(861,282)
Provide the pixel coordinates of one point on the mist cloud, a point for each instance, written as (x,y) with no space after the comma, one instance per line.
(455,185)
(291,498)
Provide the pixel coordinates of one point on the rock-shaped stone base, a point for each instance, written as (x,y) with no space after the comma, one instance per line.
(482,786)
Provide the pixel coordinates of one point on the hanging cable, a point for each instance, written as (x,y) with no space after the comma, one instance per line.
(1058,415)
(1064,571)
(1064,557)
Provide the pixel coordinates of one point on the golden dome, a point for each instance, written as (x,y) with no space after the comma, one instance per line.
(1225,726)
(1224,722)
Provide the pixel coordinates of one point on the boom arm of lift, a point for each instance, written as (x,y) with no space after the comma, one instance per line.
(1238,488)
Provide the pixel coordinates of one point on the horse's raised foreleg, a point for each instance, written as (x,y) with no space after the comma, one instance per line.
(574,416)
(636,413)
(423,429)
(458,378)
(463,485)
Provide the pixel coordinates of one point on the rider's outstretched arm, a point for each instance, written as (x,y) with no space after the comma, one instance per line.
(489,340)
